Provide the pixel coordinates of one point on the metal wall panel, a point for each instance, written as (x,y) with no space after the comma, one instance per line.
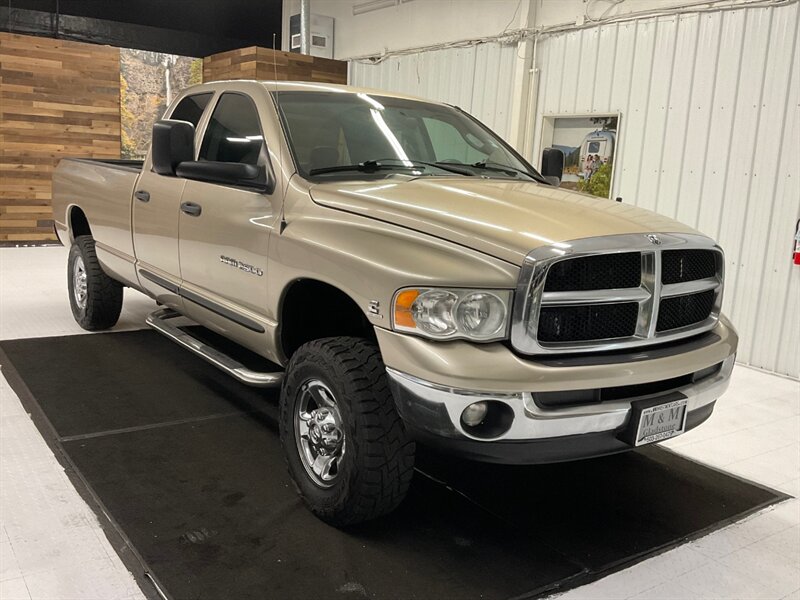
(709,135)
(478,79)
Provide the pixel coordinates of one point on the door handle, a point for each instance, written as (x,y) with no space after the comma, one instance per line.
(192,209)
(142,196)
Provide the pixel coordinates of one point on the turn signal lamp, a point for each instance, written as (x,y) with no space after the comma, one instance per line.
(402,308)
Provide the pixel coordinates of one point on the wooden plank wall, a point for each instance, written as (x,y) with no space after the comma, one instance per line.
(60,98)
(57,98)
(256,62)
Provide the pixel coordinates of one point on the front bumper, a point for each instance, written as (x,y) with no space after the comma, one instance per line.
(432,410)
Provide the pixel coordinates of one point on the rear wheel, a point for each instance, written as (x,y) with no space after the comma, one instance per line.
(346,447)
(95,298)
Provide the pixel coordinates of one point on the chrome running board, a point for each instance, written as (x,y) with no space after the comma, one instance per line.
(158,321)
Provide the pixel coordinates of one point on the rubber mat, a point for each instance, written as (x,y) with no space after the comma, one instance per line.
(185,466)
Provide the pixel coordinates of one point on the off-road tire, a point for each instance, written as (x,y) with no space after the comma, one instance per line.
(378,463)
(103,294)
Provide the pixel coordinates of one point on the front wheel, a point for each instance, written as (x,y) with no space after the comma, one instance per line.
(95,298)
(346,447)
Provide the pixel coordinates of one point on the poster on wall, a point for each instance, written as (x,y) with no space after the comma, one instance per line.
(589,144)
(148,83)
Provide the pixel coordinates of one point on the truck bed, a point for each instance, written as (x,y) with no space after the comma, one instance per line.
(102,189)
(126,164)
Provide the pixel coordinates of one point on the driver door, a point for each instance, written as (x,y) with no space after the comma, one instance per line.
(225,230)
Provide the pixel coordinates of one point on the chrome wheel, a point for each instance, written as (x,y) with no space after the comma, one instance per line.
(319,433)
(79,285)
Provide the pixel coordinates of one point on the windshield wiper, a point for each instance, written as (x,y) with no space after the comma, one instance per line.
(370,166)
(508,170)
(453,168)
(444,166)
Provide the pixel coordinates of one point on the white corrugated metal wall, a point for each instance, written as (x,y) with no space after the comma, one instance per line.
(710,135)
(478,79)
(710,108)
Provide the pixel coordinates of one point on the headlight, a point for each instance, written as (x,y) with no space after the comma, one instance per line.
(480,315)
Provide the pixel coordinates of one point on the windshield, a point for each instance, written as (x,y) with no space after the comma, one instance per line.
(345,135)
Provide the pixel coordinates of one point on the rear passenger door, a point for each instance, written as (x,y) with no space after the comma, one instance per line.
(224,238)
(156,213)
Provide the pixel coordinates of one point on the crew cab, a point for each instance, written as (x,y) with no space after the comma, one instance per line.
(410,278)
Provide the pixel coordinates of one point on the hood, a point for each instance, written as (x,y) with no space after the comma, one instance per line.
(505,219)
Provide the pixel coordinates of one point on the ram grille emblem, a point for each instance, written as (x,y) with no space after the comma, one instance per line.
(654,239)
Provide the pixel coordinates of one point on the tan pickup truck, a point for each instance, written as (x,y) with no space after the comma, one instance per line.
(409,276)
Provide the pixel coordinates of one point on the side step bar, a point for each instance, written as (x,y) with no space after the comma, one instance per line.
(158,321)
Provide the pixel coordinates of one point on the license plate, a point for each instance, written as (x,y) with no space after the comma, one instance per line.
(661,422)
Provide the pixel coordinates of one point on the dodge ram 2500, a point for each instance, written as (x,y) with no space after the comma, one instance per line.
(411,278)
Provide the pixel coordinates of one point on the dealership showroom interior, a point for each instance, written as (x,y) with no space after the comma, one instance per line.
(399,299)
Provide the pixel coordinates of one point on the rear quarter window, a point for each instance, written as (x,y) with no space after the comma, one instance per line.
(191,108)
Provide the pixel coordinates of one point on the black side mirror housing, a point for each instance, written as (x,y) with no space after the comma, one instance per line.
(553,165)
(255,177)
(173,143)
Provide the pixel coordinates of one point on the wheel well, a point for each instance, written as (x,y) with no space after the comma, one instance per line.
(78,223)
(312,309)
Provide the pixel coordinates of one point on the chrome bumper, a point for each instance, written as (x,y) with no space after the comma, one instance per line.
(436,410)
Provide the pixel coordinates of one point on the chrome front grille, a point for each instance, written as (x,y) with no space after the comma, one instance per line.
(616,292)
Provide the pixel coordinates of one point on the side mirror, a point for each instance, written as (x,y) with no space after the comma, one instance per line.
(553,165)
(227,173)
(173,143)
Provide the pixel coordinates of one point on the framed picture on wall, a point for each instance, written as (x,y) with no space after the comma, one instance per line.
(148,83)
(589,144)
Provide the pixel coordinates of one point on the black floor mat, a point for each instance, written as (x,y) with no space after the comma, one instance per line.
(187,464)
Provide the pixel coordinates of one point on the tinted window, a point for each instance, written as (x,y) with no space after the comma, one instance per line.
(234,132)
(191,108)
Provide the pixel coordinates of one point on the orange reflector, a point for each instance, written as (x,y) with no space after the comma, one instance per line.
(402,308)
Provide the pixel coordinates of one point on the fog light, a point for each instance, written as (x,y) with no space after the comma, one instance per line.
(474,414)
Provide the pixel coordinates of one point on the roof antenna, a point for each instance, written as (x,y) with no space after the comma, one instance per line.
(275,61)
(282,222)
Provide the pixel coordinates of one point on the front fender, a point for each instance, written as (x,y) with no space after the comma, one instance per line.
(369,260)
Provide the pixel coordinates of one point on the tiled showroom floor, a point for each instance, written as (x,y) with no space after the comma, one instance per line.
(52,546)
